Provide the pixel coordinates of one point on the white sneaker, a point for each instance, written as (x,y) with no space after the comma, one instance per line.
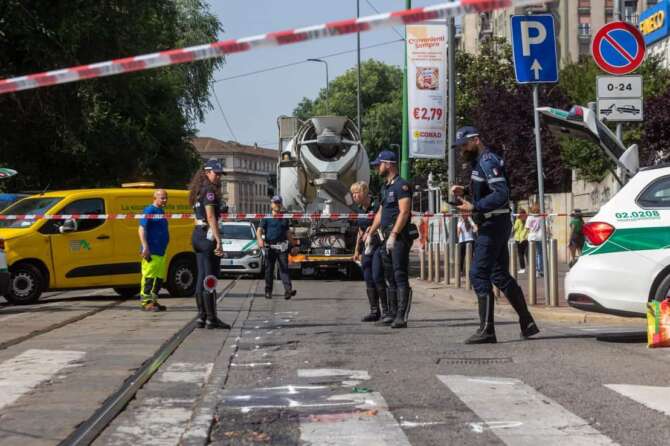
(522,271)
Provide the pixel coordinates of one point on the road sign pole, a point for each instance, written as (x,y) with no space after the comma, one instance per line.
(540,187)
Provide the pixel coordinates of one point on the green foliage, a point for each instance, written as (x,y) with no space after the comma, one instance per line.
(103,131)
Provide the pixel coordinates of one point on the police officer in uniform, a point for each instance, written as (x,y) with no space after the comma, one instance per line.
(276,244)
(393,220)
(205,198)
(489,205)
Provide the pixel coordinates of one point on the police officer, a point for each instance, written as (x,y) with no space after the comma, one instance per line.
(205,198)
(278,240)
(489,205)
(371,258)
(393,220)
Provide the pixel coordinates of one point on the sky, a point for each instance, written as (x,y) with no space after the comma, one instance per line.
(253,102)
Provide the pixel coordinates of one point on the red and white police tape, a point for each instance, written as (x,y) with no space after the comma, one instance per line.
(231,217)
(221,48)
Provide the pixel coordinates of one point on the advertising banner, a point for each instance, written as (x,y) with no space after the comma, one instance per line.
(427,90)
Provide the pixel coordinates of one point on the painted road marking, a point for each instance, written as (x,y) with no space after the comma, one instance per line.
(370,424)
(26,371)
(653,397)
(323,373)
(162,420)
(528,417)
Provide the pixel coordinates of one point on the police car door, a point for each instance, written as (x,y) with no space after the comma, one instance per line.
(83,253)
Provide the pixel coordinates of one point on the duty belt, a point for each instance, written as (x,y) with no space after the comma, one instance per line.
(201,223)
(283,246)
(496,212)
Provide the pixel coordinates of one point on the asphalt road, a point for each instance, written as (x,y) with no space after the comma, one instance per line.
(306,371)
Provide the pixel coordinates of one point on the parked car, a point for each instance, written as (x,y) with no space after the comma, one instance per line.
(241,252)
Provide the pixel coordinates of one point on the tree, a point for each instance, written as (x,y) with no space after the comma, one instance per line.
(103,131)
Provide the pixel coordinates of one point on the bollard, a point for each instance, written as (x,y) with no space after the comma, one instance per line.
(422,264)
(530,267)
(457,266)
(436,258)
(468,264)
(513,255)
(447,269)
(553,273)
(430,262)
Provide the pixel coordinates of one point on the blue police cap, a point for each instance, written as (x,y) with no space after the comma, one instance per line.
(464,134)
(385,156)
(214,165)
(277,199)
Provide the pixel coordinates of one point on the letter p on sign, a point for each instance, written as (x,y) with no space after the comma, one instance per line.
(527,40)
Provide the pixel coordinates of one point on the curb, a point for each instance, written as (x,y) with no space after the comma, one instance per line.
(560,314)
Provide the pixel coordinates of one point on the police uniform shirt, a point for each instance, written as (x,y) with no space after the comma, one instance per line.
(392,193)
(365,223)
(275,229)
(207,197)
(489,184)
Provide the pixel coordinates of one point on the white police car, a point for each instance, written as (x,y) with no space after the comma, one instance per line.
(240,249)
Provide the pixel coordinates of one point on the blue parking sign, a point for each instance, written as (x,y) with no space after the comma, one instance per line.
(534,49)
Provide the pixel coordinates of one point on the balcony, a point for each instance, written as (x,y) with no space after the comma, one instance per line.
(584,31)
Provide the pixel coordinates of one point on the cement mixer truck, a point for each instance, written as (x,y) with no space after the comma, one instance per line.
(319,159)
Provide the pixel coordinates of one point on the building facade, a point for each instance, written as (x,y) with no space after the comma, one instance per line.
(655,27)
(576,22)
(248,172)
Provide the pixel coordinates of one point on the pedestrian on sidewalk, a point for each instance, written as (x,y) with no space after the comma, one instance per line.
(274,237)
(521,238)
(576,235)
(205,198)
(535,232)
(393,220)
(371,258)
(490,207)
(154,238)
(465,230)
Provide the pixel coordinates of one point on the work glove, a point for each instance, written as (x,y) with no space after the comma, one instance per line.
(368,246)
(390,243)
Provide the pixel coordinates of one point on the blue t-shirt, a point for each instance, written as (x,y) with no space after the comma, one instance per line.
(156,231)
(392,193)
(275,229)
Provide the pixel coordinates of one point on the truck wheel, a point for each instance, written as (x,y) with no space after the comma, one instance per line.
(127,292)
(181,278)
(26,283)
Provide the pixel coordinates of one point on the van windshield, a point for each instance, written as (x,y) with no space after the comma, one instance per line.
(237,232)
(28,206)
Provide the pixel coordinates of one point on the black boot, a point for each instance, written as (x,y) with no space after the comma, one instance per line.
(288,294)
(373,299)
(202,314)
(383,301)
(392,299)
(514,295)
(404,305)
(486,333)
(213,320)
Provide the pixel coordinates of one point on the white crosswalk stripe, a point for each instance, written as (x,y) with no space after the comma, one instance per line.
(26,371)
(519,415)
(653,397)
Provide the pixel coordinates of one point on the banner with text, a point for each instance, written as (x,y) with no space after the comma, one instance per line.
(427,90)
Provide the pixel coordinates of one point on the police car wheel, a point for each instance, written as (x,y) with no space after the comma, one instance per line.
(25,285)
(181,278)
(663,289)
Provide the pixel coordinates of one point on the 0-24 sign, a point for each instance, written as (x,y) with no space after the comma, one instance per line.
(619,87)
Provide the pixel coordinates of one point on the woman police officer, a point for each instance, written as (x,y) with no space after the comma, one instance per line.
(205,198)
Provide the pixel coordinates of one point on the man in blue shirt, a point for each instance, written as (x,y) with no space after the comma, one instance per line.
(489,206)
(393,220)
(278,239)
(154,236)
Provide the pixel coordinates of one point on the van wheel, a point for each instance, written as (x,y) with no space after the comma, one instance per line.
(26,283)
(663,289)
(181,278)
(127,292)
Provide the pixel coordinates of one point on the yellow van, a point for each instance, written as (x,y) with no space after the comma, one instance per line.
(68,254)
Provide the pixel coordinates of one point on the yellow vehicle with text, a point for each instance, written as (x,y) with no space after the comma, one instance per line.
(62,254)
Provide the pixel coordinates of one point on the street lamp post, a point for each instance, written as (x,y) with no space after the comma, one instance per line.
(327,80)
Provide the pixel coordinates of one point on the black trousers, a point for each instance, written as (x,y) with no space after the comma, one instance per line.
(209,264)
(273,256)
(396,264)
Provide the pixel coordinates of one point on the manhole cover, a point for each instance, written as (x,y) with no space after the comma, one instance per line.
(473,361)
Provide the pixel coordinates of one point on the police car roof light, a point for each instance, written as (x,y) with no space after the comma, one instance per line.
(597,232)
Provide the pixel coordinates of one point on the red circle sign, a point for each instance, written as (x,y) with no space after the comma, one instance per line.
(618,48)
(210,283)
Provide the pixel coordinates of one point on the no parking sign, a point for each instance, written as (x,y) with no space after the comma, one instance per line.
(618,48)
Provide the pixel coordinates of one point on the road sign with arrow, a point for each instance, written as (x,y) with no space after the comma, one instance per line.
(534,48)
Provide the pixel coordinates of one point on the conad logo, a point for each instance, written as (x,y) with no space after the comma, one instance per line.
(652,23)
